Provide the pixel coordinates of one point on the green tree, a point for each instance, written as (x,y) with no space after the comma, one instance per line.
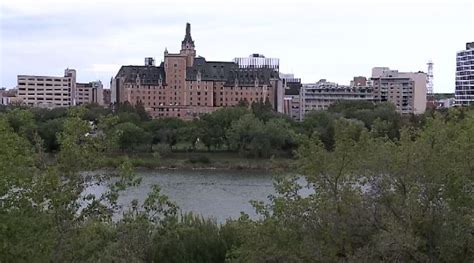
(321,124)
(213,127)
(190,239)
(131,136)
(48,132)
(247,135)
(140,110)
(372,199)
(22,122)
(263,110)
(188,133)
(281,135)
(26,232)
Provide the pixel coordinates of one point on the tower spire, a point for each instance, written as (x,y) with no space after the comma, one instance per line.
(188,29)
(187,37)
(187,47)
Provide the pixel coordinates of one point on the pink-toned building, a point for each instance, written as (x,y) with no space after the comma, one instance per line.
(186,86)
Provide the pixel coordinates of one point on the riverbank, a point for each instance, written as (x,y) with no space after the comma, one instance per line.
(201,160)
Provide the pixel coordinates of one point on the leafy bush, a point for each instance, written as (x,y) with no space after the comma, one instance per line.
(162,149)
(200,159)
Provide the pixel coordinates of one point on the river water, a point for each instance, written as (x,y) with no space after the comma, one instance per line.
(220,194)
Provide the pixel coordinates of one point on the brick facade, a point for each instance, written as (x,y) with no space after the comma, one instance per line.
(186,86)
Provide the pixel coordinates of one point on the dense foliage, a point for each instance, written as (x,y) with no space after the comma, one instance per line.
(251,131)
(383,187)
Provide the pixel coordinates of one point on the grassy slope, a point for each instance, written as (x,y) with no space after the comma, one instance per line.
(200,160)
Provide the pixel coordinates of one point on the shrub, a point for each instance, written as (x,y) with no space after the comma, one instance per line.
(200,159)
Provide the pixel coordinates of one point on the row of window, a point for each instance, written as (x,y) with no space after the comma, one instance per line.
(465,77)
(44,89)
(43,94)
(43,79)
(465,92)
(43,84)
(465,84)
(465,57)
(264,88)
(50,99)
(465,63)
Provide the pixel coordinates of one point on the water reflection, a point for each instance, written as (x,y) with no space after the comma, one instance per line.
(220,194)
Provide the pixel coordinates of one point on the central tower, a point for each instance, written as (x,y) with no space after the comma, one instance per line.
(187,47)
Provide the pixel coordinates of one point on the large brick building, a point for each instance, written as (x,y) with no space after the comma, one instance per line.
(185,85)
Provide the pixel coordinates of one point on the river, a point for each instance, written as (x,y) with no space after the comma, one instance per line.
(219,194)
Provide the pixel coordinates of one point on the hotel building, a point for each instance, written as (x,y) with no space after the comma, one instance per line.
(185,85)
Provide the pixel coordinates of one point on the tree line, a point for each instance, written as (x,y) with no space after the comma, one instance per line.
(384,188)
(251,131)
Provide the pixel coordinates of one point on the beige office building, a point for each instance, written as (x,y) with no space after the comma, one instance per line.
(52,92)
(92,92)
(406,90)
(47,91)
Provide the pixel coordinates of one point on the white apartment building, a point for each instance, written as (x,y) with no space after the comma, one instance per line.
(320,95)
(464,94)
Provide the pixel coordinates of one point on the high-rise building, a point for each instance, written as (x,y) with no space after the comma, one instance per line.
(406,90)
(464,94)
(185,85)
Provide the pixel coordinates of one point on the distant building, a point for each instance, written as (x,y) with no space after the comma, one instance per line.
(106,95)
(445,103)
(322,94)
(186,86)
(48,91)
(292,98)
(51,92)
(91,92)
(441,101)
(406,90)
(465,76)
(8,96)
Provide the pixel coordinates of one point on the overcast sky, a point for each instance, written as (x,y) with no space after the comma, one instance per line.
(330,39)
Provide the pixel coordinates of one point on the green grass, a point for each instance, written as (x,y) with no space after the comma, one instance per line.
(218,160)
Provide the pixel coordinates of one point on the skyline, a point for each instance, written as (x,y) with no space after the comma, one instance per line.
(342,40)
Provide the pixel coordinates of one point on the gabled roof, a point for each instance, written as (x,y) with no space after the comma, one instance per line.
(210,70)
(148,75)
(229,72)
